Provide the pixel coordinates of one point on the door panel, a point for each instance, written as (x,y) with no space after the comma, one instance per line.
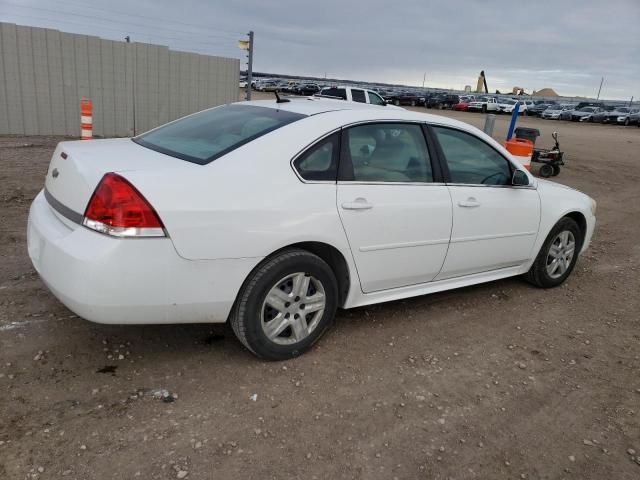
(493,227)
(398,233)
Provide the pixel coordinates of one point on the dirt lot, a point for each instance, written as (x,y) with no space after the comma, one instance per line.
(500,380)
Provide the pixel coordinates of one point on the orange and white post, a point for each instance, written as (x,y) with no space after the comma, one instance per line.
(86,119)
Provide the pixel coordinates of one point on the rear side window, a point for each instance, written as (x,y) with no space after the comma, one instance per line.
(205,136)
(320,162)
(335,92)
(358,96)
(385,152)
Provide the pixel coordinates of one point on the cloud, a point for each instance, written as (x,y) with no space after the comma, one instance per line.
(565,45)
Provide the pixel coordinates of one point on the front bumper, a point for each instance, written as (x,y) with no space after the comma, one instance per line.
(129,281)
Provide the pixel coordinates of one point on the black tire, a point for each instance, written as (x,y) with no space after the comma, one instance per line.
(537,274)
(246,317)
(546,171)
(626,122)
(484,109)
(556,170)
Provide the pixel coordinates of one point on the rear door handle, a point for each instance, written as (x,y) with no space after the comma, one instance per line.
(469,203)
(358,204)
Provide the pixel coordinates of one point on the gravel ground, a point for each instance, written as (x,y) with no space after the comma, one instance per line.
(495,381)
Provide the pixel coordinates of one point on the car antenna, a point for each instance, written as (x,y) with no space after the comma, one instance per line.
(280,100)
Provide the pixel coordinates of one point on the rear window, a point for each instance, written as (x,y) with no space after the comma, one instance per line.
(205,136)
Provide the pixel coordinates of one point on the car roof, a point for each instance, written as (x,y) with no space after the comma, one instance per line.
(353,111)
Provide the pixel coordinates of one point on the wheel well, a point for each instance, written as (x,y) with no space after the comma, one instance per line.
(582,223)
(334,259)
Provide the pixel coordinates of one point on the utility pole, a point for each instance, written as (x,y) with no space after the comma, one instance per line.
(250,65)
(599,89)
(424,77)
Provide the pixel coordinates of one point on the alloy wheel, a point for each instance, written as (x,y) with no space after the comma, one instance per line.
(560,254)
(293,308)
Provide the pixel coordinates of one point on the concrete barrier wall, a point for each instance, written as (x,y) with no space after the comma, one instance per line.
(133,86)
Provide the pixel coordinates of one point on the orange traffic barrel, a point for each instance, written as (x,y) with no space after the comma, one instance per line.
(86,119)
(521,150)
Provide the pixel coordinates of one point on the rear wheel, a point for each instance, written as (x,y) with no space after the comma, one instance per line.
(484,109)
(286,305)
(558,255)
(626,122)
(556,170)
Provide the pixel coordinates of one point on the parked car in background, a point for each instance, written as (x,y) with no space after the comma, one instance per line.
(242,83)
(442,101)
(537,109)
(142,230)
(463,103)
(620,116)
(352,94)
(307,89)
(405,98)
(484,104)
(267,86)
(634,118)
(582,114)
(553,112)
(507,105)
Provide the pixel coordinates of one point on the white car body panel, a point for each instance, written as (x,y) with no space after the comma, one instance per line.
(225,217)
(495,233)
(404,252)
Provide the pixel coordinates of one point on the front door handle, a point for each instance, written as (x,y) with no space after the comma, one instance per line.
(358,204)
(469,203)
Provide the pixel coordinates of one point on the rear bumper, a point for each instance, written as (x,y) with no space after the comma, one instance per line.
(129,281)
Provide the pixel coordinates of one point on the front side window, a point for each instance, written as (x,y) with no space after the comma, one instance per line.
(205,136)
(385,152)
(319,163)
(471,160)
(358,96)
(375,99)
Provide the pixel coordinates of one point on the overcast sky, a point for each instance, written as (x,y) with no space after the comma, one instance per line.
(567,45)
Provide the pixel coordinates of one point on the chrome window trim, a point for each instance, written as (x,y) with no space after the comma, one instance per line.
(424,184)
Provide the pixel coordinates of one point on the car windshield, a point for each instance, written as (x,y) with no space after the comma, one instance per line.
(554,107)
(207,135)
(622,110)
(508,102)
(587,109)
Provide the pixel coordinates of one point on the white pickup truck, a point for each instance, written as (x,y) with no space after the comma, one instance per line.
(484,104)
(352,94)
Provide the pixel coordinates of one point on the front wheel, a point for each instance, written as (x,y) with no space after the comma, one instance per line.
(558,255)
(285,305)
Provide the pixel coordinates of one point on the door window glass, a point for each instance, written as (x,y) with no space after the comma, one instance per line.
(386,152)
(358,96)
(472,161)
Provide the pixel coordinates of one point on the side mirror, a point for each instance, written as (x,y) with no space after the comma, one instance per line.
(519,179)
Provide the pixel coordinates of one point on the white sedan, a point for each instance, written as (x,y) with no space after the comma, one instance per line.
(271,215)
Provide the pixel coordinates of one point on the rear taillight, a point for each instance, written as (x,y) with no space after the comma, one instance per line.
(117,208)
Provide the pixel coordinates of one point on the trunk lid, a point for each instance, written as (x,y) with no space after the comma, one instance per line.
(77,167)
